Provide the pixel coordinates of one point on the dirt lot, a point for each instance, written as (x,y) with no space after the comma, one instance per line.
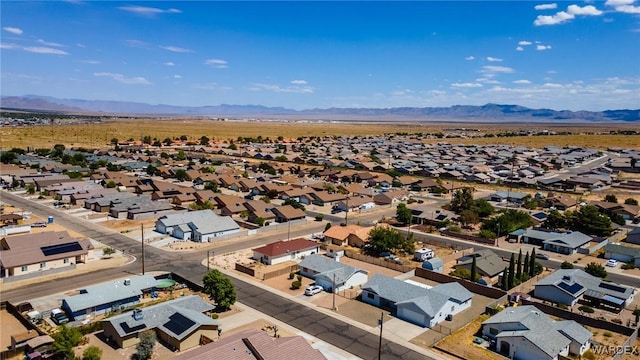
(371,268)
(9,326)
(461,342)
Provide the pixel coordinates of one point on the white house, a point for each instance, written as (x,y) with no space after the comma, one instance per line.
(200,226)
(418,305)
(524,332)
(281,251)
(326,272)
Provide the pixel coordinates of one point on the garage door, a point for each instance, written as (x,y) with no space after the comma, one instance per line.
(412,316)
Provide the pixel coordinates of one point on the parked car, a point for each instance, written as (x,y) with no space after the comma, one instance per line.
(611,263)
(59,317)
(313,289)
(39,224)
(542,256)
(24,307)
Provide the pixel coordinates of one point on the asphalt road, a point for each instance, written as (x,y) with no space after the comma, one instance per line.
(188,265)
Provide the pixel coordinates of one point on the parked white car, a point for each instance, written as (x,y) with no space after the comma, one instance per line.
(313,289)
(612,263)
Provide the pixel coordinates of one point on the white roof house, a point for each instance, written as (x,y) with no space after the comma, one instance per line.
(326,271)
(200,226)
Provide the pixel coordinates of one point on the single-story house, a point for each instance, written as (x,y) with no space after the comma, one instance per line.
(352,235)
(199,226)
(488,263)
(331,274)
(37,252)
(626,254)
(568,286)
(287,213)
(524,332)
(633,236)
(419,305)
(108,296)
(282,251)
(254,345)
(508,196)
(180,323)
(564,243)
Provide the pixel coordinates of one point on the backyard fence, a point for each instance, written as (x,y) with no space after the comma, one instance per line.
(491,292)
(378,261)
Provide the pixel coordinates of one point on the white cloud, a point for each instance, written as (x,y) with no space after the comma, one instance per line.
(9,46)
(558,18)
(543,47)
(564,16)
(92,62)
(217,63)
(496,69)
(176,49)
(469,58)
(299,82)
(520,48)
(44,50)
(177,76)
(588,10)
(625,6)
(466,85)
(279,89)
(546,6)
(493,59)
(138,80)
(48,43)
(169,63)
(137,44)
(522,82)
(148,11)
(13,30)
(524,43)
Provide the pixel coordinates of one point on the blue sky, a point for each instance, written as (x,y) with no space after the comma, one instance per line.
(301,55)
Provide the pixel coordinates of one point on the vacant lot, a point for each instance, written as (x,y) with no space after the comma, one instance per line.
(100,135)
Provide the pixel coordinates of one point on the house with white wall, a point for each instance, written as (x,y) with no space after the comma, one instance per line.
(332,274)
(281,251)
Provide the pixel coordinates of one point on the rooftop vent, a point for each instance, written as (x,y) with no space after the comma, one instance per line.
(127,282)
(137,314)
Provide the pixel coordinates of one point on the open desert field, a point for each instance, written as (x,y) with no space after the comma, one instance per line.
(100,135)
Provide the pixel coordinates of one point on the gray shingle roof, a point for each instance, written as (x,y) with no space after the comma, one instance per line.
(202,221)
(623,250)
(109,292)
(573,331)
(428,300)
(572,239)
(178,318)
(539,329)
(589,282)
(326,268)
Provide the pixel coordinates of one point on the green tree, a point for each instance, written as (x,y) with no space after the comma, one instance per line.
(525,267)
(566,265)
(631,201)
(65,340)
(532,263)
(519,267)
(555,220)
(595,269)
(220,289)
(403,214)
(108,251)
(152,170)
(509,221)
(111,184)
(482,207)
(505,279)
(610,198)
(144,349)
(30,188)
(617,219)
(590,221)
(474,271)
(233,147)
(58,151)
(383,239)
(92,353)
(167,141)
(462,200)
(8,157)
(146,139)
(180,155)
(468,217)
(512,272)
(181,175)
(293,203)
(211,185)
(204,140)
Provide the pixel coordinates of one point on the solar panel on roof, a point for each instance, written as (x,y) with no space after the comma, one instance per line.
(178,323)
(571,289)
(61,248)
(613,287)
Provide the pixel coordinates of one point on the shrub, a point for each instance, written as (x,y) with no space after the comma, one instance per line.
(291,275)
(586,309)
(566,265)
(296,285)
(628,266)
(319,217)
(607,334)
(215,316)
(563,306)
(616,320)
(589,355)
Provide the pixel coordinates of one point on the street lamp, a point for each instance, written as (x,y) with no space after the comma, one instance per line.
(209,254)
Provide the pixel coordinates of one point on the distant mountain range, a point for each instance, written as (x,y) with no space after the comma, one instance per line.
(488,112)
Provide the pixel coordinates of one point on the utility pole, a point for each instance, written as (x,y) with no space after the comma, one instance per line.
(289,230)
(333,288)
(380,339)
(142,241)
(346,213)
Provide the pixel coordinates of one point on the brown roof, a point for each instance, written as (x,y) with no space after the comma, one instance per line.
(254,344)
(289,212)
(343,232)
(283,247)
(30,248)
